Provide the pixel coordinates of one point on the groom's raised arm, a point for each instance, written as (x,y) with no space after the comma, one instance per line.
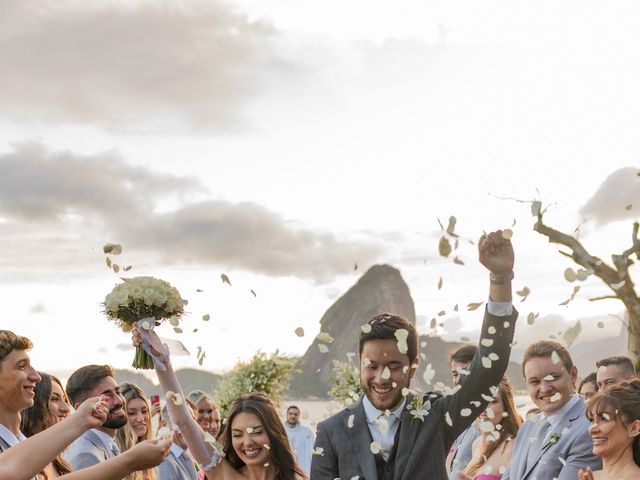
(490,363)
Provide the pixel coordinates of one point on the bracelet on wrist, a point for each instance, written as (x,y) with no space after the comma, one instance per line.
(501,279)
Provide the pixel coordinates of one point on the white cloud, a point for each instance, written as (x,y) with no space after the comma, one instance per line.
(150,66)
(618,198)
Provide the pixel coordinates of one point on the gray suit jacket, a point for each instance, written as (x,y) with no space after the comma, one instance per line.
(573,446)
(422,445)
(172,469)
(86,451)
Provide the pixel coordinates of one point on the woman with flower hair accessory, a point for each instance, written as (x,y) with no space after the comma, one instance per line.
(499,425)
(615,432)
(254,443)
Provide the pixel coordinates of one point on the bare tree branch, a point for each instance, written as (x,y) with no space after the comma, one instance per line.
(604,297)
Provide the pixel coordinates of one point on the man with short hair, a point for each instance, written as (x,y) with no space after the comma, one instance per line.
(17,383)
(612,371)
(300,438)
(179,464)
(391,434)
(555,443)
(461,451)
(96,445)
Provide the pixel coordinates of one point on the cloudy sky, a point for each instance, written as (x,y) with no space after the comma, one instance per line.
(282,142)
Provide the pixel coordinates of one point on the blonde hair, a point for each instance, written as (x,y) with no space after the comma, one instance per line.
(126,437)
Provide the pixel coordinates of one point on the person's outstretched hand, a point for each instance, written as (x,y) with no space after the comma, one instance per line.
(496,253)
(585,475)
(148,454)
(92,412)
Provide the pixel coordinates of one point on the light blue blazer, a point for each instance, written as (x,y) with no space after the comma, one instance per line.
(573,447)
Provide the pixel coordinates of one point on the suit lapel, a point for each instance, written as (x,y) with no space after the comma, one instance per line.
(361,439)
(569,417)
(95,440)
(409,428)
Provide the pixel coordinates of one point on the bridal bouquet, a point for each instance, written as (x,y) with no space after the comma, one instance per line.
(143,300)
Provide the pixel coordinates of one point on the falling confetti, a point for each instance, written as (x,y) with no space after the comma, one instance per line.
(324,337)
(555,358)
(375,447)
(206,317)
(350,421)
(474,306)
(225,278)
(570,275)
(323,348)
(173,397)
(112,248)
(440,283)
(299,332)
(401,335)
(253,292)
(386,373)
(366,328)
(444,247)
(573,295)
(507,233)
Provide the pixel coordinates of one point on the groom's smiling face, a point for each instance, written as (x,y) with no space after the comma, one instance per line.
(108,388)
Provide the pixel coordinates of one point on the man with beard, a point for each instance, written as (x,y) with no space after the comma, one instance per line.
(300,438)
(389,433)
(96,445)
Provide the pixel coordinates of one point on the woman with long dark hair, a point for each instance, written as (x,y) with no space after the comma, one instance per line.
(50,405)
(615,432)
(499,424)
(254,443)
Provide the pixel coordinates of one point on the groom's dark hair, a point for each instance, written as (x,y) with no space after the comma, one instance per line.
(85,379)
(384,327)
(9,342)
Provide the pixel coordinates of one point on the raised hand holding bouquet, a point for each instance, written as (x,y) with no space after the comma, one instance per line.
(143,301)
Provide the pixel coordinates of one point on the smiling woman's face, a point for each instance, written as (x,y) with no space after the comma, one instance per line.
(609,435)
(58,407)
(250,439)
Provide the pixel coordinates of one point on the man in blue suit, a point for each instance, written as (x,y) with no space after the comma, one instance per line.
(96,445)
(555,443)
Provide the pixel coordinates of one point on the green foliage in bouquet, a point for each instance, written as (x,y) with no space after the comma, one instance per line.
(267,374)
(140,298)
(345,381)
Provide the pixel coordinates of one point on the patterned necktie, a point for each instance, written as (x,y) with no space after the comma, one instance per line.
(536,442)
(187,463)
(114,449)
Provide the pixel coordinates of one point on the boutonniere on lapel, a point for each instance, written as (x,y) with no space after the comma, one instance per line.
(553,439)
(418,408)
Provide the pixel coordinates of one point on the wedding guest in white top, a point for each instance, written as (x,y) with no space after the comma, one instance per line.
(300,437)
(208,412)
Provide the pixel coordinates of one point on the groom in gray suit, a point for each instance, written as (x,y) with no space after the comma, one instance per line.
(555,443)
(96,445)
(391,434)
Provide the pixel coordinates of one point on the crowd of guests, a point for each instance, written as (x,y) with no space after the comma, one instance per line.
(474,432)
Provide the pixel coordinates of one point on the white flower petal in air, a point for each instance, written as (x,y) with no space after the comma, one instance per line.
(492,330)
(494,357)
(447,418)
(486,363)
(386,373)
(556,397)
(555,358)
(350,421)
(548,378)
(318,451)
(366,328)
(375,447)
(173,397)
(475,403)
(465,412)
(405,392)
(325,337)
(429,373)
(299,332)
(486,342)
(401,335)
(323,348)
(486,427)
